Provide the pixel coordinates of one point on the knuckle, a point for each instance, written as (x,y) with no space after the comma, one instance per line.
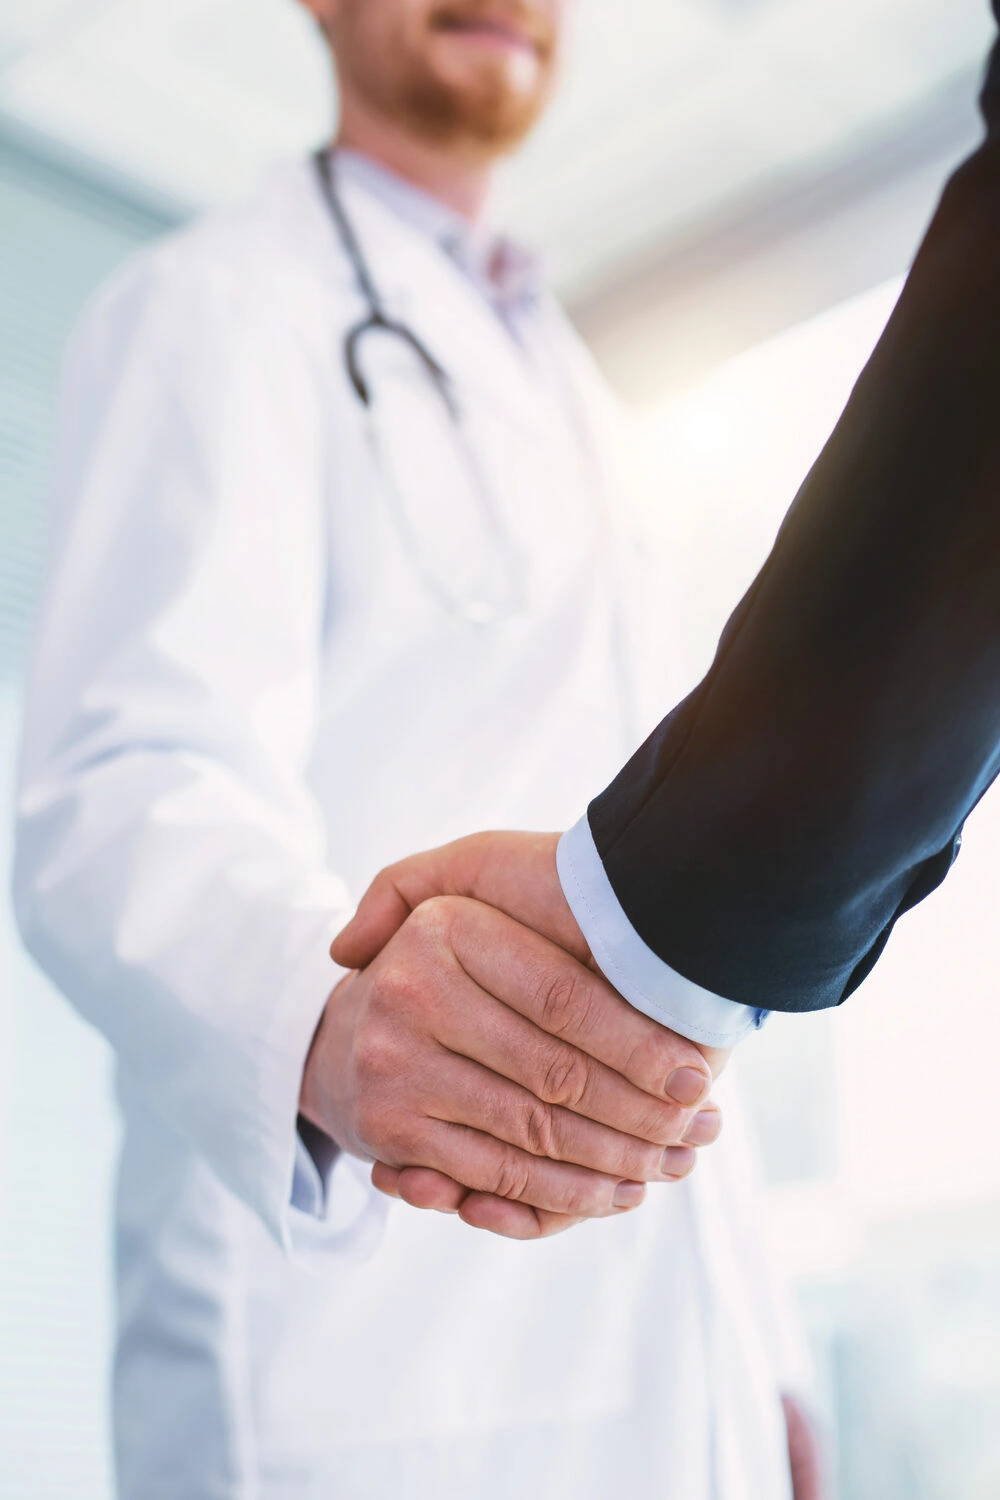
(382,882)
(582,1200)
(396,1131)
(390,877)
(397,987)
(376,1057)
(640,1163)
(628,1159)
(565,1078)
(649,1061)
(539,1130)
(511,1179)
(433,919)
(560,1002)
(652,1121)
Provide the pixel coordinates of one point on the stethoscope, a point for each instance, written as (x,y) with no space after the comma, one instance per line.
(471,609)
(377,320)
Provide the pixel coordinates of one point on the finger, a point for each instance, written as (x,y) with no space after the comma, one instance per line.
(541,981)
(386,1179)
(423,1188)
(514,1221)
(476,1025)
(515,872)
(488,1165)
(705,1128)
(466,1093)
(381,912)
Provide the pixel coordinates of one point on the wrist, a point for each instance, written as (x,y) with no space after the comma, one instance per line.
(314,1094)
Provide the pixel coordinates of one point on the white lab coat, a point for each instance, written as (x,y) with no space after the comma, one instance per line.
(243,703)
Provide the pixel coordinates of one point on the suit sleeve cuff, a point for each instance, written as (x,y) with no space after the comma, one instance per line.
(628,963)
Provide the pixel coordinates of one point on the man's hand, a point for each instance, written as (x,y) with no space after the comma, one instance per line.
(805,1451)
(515,872)
(489,1071)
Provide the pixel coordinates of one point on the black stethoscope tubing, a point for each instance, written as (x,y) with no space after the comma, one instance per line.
(376,318)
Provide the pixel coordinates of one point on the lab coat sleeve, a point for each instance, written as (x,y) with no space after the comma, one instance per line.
(170,870)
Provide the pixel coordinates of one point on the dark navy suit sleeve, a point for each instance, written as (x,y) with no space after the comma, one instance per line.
(813,787)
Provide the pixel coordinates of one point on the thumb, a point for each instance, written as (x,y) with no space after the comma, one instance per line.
(396,891)
(515,872)
(382,912)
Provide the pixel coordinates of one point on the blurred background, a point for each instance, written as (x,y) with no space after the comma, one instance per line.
(728,194)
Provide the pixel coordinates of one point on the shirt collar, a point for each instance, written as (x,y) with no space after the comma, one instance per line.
(505,272)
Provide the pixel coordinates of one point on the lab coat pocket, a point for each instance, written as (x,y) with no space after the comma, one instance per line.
(446,1331)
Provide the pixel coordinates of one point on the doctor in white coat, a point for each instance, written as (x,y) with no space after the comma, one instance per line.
(316,601)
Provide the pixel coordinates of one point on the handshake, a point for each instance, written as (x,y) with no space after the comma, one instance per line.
(477,1057)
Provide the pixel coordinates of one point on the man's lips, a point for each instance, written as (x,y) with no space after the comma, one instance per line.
(490,31)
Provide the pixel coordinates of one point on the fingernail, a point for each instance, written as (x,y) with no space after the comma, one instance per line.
(688,1086)
(677,1161)
(628,1195)
(704,1128)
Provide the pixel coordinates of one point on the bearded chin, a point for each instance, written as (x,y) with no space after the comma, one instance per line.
(490,115)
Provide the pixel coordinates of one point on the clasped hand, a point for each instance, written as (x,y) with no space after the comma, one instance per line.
(477,1059)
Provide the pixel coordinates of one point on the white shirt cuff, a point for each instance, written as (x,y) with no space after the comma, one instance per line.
(628,963)
(334,1216)
(315,1160)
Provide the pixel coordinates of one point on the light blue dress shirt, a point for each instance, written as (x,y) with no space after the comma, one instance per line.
(630,964)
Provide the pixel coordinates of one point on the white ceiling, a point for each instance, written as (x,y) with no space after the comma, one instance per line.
(672,110)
